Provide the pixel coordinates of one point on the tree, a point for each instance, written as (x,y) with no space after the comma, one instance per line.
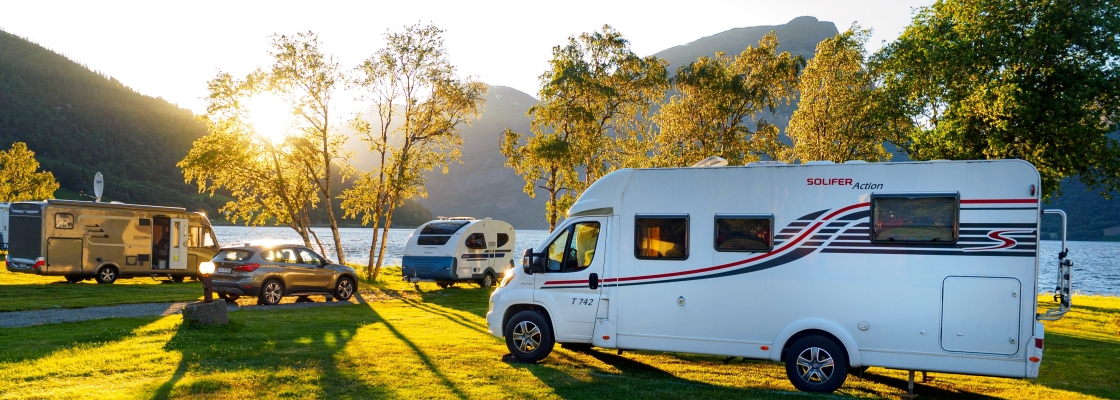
(412,79)
(1029,79)
(592,117)
(264,178)
(718,96)
(20,179)
(837,118)
(544,158)
(307,79)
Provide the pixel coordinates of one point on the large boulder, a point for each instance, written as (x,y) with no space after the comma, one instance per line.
(206,314)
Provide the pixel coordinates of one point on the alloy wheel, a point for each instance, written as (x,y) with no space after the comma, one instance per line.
(107,274)
(526,336)
(815,365)
(345,288)
(272,292)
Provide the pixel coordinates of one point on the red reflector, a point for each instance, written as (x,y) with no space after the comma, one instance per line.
(605,337)
(38,263)
(1035,359)
(247,286)
(247,267)
(1038,342)
(764,348)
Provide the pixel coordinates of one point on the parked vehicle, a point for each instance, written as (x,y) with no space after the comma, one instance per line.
(829,268)
(447,251)
(4,225)
(105,241)
(270,272)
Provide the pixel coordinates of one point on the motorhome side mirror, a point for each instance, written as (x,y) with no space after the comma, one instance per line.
(527,261)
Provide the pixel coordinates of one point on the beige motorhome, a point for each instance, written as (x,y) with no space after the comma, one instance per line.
(81,240)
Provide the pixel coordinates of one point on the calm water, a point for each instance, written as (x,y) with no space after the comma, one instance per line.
(1096,265)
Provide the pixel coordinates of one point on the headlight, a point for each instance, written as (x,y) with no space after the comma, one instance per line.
(508,276)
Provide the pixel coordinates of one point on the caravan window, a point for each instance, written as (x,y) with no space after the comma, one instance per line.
(915,218)
(502,239)
(431,240)
(744,233)
(200,237)
(443,227)
(64,221)
(661,237)
(476,241)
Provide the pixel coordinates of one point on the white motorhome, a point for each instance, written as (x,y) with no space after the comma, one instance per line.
(457,249)
(829,268)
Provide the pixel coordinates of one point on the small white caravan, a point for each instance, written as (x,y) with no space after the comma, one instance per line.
(829,268)
(446,251)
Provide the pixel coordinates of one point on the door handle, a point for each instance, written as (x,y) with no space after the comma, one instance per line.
(593,281)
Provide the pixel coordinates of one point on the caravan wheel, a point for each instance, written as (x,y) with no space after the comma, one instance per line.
(528,336)
(816,364)
(487,280)
(106,275)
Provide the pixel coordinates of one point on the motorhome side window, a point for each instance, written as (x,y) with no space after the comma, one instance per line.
(64,221)
(476,241)
(915,218)
(744,233)
(661,237)
(574,248)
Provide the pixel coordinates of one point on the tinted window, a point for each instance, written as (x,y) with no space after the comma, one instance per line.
(280,256)
(476,241)
(309,257)
(914,218)
(574,249)
(432,240)
(743,233)
(443,227)
(661,237)
(233,255)
(64,221)
(502,239)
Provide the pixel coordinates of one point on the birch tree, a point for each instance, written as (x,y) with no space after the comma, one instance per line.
(20,178)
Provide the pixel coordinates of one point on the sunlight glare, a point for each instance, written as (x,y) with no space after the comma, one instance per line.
(270,116)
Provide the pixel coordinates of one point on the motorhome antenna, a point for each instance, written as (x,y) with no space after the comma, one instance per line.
(98,186)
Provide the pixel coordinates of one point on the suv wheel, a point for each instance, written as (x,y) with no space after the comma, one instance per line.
(344,289)
(271,293)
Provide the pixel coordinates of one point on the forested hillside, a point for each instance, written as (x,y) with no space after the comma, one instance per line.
(79,122)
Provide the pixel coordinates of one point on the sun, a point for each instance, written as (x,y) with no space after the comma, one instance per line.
(270,116)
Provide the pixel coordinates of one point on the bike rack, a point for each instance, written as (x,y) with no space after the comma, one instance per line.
(1062,292)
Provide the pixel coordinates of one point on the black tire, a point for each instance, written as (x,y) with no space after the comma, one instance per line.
(229,297)
(179,278)
(107,275)
(344,289)
(443,285)
(487,280)
(74,278)
(816,364)
(529,337)
(271,292)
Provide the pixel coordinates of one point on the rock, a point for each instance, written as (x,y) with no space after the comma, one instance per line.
(206,314)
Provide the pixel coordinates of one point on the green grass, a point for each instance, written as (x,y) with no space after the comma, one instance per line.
(433,344)
(19,291)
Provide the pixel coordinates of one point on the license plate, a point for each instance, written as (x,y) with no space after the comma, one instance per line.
(225,270)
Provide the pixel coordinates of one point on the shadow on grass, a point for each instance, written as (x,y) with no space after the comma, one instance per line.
(1080,365)
(920,388)
(40,341)
(260,346)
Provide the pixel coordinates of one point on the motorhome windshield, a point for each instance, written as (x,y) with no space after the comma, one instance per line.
(25,223)
(443,227)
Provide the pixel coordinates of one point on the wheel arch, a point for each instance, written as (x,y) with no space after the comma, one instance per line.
(815,326)
(516,308)
(104,264)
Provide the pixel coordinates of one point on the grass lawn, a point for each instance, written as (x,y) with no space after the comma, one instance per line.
(433,344)
(19,291)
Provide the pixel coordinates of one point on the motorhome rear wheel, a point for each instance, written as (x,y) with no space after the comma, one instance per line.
(107,275)
(816,364)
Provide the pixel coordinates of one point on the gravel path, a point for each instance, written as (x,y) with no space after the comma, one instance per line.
(16,319)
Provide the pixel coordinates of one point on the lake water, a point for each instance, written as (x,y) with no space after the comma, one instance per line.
(1096,265)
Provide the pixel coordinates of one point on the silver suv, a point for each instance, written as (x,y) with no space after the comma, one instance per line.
(272,272)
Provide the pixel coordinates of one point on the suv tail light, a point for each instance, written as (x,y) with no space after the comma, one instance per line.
(247,267)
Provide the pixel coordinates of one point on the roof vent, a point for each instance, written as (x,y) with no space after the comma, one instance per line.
(819,162)
(713,161)
(767,163)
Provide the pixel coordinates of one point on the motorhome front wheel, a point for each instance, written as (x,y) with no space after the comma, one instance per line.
(816,364)
(528,336)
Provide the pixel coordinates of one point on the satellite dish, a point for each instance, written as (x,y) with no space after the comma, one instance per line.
(98,186)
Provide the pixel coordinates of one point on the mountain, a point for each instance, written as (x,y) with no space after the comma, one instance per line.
(481,186)
(79,122)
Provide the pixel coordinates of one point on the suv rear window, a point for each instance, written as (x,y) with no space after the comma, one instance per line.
(443,227)
(234,255)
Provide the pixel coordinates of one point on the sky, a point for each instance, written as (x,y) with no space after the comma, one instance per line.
(171,49)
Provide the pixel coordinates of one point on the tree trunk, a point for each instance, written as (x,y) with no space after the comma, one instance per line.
(384,236)
(373,248)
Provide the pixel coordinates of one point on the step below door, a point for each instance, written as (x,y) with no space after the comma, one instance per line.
(980,314)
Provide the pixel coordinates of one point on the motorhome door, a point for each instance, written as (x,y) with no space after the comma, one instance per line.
(177,257)
(571,283)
